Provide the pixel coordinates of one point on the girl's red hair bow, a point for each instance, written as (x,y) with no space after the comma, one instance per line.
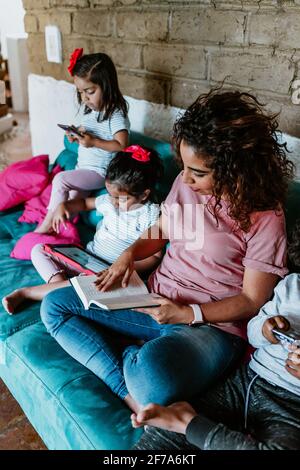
(76,54)
(138,153)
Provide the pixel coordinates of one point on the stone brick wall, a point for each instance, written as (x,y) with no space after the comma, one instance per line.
(171,51)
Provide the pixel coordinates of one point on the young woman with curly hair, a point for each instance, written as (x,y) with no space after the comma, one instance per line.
(225,226)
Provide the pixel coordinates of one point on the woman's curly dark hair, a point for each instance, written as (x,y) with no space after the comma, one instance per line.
(294,245)
(238,141)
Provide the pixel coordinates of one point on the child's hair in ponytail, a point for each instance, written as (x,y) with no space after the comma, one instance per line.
(135,175)
(100,70)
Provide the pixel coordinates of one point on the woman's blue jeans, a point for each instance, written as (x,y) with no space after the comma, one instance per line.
(175,362)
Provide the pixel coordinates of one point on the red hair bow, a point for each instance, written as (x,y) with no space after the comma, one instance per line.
(76,54)
(138,153)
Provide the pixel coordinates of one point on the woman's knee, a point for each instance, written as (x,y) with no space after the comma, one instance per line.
(176,366)
(150,374)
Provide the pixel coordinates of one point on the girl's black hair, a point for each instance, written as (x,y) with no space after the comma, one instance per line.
(294,245)
(133,176)
(100,70)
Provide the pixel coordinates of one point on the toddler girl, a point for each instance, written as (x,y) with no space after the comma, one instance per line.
(128,209)
(104,129)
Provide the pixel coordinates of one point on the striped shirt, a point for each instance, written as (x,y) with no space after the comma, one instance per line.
(269,359)
(94,158)
(119,229)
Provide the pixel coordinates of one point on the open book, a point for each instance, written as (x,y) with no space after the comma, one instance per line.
(133,296)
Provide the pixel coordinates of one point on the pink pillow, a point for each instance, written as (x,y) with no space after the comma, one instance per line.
(23,180)
(23,247)
(36,208)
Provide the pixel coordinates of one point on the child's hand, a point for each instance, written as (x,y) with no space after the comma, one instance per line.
(175,417)
(87,140)
(121,269)
(277,321)
(60,215)
(292,364)
(71,137)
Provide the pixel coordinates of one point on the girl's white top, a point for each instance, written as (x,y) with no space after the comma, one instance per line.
(269,359)
(94,158)
(119,229)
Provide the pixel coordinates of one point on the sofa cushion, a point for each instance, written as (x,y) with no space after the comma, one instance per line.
(10,228)
(68,233)
(69,406)
(17,274)
(35,209)
(22,180)
(66,160)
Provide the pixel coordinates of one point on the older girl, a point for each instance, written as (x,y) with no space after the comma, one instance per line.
(104,130)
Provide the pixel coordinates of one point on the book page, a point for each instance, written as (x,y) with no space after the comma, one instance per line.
(131,301)
(90,291)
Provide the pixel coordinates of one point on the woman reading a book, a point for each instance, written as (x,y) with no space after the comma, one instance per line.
(225,226)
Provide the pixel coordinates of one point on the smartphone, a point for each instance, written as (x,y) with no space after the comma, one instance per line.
(289,336)
(72,129)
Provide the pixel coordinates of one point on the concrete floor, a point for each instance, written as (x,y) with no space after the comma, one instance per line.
(16,433)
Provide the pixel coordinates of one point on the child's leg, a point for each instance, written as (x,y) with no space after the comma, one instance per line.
(79,182)
(54,272)
(17,297)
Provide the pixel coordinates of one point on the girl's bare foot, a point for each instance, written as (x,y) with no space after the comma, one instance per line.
(13,300)
(44,228)
(46,225)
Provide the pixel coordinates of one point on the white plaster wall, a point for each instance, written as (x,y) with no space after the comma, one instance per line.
(11,22)
(18,65)
(52,101)
(154,120)
(293,145)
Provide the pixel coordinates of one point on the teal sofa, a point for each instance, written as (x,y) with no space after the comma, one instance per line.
(68,405)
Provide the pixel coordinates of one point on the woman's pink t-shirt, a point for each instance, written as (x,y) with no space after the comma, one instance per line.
(206,259)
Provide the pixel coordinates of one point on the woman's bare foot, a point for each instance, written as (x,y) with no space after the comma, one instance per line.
(13,300)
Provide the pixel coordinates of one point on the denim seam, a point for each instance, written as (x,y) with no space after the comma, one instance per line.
(124,321)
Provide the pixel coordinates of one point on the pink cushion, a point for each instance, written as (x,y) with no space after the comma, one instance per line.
(36,208)
(23,247)
(23,180)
